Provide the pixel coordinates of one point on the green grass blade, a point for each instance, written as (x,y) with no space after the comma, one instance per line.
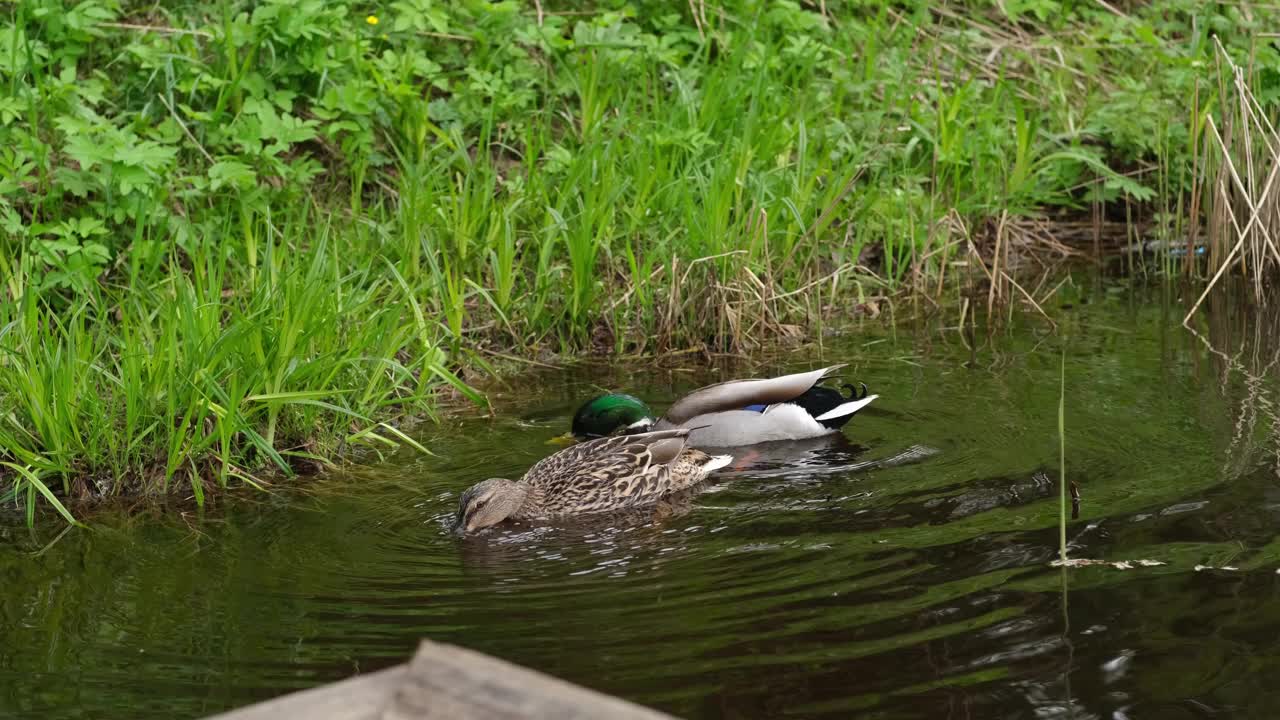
(34,481)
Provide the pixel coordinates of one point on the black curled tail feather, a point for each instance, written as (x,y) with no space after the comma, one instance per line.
(819,400)
(853,392)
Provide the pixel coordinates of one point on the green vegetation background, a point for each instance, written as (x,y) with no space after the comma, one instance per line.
(237,236)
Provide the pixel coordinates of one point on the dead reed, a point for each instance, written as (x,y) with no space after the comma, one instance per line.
(1237,186)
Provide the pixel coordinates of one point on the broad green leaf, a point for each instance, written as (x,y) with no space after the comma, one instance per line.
(147,154)
(231,173)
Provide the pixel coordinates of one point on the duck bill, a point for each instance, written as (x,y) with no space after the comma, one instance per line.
(564,440)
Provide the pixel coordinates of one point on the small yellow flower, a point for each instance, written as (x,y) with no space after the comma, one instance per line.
(372,19)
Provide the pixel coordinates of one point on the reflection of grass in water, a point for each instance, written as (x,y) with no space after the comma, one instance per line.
(853,650)
(864,614)
(845,651)
(863,702)
(867,609)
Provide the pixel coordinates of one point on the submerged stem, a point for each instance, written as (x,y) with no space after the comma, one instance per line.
(1062,458)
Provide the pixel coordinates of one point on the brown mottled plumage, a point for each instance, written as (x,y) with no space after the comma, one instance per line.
(611,473)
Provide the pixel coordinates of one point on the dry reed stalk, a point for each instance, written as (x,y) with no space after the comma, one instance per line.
(1000,260)
(1241,165)
(749,306)
(1029,299)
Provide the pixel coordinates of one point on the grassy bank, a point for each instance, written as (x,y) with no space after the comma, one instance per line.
(240,237)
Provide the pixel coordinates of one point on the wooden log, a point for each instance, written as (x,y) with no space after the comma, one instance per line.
(445,682)
(359,698)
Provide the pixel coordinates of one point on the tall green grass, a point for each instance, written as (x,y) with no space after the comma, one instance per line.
(237,239)
(186,382)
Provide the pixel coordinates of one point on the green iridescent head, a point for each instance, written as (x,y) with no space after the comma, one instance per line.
(611,414)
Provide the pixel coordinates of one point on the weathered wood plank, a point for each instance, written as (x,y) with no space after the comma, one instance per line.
(445,682)
(359,698)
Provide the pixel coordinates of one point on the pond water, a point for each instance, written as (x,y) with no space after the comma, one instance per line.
(810,581)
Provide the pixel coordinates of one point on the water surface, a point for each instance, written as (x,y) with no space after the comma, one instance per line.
(810,582)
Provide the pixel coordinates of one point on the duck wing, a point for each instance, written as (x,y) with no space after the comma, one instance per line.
(609,473)
(737,394)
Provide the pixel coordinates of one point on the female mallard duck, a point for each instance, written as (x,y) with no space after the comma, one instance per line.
(733,413)
(611,473)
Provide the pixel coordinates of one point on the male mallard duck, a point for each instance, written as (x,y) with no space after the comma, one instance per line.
(611,473)
(733,413)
